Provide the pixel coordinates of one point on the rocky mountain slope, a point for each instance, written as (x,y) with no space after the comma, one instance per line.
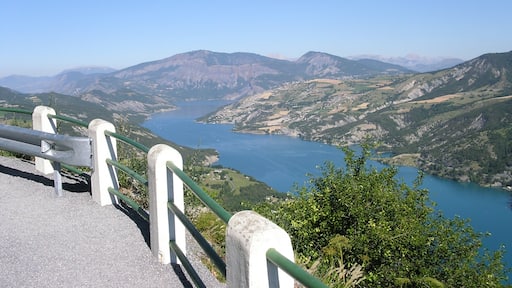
(204,75)
(80,109)
(455,122)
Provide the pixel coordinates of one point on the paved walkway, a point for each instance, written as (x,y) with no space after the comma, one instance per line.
(72,241)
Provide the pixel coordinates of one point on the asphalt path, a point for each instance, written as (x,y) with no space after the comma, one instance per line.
(71,241)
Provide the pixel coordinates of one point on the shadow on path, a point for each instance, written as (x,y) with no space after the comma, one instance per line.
(80,185)
(143,226)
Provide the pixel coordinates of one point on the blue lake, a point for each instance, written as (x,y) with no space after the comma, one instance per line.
(282,161)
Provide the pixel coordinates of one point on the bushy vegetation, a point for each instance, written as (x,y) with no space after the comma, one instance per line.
(360,217)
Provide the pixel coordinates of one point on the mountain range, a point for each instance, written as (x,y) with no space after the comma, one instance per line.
(208,74)
(415,62)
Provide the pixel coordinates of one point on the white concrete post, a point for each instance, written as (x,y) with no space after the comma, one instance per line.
(103,175)
(41,122)
(165,186)
(248,237)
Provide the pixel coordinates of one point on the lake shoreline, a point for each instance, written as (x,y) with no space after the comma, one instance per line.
(403,160)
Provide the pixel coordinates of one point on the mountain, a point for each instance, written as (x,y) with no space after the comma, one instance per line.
(87,70)
(85,110)
(206,75)
(322,65)
(455,122)
(415,62)
(27,84)
(57,83)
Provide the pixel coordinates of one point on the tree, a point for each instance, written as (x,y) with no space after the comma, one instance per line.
(359,215)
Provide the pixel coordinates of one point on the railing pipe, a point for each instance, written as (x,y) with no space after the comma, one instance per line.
(293,269)
(127,140)
(207,200)
(76,170)
(186,264)
(68,119)
(131,203)
(16,110)
(128,171)
(207,248)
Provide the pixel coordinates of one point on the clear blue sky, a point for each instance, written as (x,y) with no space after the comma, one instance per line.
(44,37)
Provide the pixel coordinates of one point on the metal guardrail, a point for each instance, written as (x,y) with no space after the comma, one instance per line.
(60,148)
(203,196)
(77,151)
(127,140)
(293,269)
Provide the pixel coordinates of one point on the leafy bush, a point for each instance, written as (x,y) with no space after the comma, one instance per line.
(361,216)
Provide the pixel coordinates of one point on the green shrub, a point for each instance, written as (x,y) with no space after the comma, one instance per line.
(363,216)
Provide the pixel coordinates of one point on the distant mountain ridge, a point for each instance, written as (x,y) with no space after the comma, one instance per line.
(205,74)
(415,62)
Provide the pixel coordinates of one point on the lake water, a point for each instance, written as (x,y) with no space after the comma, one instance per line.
(282,161)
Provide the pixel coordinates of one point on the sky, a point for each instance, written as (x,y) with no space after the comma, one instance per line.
(46,37)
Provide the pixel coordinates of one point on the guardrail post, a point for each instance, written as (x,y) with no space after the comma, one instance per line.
(165,186)
(248,237)
(103,175)
(41,122)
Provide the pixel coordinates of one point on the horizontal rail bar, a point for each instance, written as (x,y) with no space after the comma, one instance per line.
(207,248)
(186,264)
(128,171)
(16,110)
(205,198)
(69,119)
(294,270)
(75,170)
(60,148)
(130,202)
(127,140)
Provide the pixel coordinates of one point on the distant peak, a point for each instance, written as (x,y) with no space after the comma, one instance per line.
(90,70)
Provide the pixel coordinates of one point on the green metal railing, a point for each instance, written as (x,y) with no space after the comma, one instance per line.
(69,119)
(272,255)
(141,179)
(199,193)
(129,141)
(203,243)
(16,110)
(293,269)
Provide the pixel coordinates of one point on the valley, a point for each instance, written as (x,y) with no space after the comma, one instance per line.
(456,120)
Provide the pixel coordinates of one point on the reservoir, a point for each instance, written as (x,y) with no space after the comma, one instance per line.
(282,161)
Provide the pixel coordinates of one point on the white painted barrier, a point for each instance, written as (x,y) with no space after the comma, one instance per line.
(103,175)
(165,187)
(41,122)
(249,236)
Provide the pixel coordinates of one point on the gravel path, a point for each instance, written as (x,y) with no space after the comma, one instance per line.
(72,241)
